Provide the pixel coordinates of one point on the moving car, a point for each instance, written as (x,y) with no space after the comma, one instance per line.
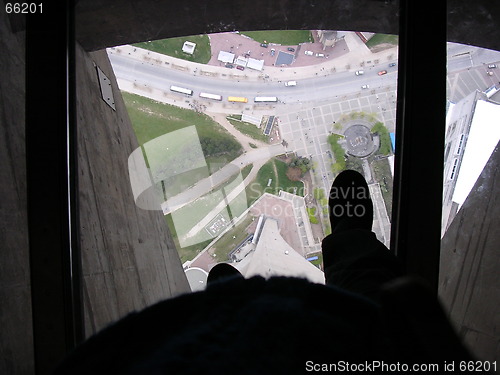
(263,45)
(291,49)
(359,72)
(492,66)
(291,83)
(308,53)
(365,87)
(320,55)
(273,51)
(392,64)
(382,72)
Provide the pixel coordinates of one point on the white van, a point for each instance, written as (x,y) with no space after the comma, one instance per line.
(291,83)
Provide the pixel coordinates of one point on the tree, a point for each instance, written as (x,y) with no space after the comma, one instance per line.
(385,139)
(303,164)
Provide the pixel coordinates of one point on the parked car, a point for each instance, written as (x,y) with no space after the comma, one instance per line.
(273,51)
(308,53)
(492,66)
(359,72)
(230,66)
(382,72)
(239,67)
(392,64)
(290,49)
(320,55)
(263,45)
(365,87)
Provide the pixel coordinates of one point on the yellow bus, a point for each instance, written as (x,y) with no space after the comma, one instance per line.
(237,99)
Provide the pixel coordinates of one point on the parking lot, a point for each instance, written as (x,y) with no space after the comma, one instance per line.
(240,45)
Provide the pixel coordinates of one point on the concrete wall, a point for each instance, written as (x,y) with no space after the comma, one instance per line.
(100,22)
(469,284)
(128,258)
(16,338)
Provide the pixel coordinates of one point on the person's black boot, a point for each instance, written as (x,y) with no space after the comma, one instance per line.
(221,272)
(350,204)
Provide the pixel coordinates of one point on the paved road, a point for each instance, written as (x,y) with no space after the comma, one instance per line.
(461,56)
(325,85)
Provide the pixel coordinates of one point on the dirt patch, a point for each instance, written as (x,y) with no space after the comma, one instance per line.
(293,174)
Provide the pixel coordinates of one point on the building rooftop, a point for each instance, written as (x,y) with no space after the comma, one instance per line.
(483,137)
(273,256)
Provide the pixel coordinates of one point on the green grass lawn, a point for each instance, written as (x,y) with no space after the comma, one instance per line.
(385,139)
(283,37)
(184,219)
(196,211)
(173,47)
(284,183)
(231,239)
(280,181)
(338,153)
(248,129)
(311,211)
(318,262)
(382,39)
(188,252)
(151,119)
(179,164)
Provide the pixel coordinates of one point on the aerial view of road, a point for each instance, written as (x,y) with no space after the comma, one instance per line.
(326,89)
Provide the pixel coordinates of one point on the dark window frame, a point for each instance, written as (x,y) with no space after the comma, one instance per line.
(54,253)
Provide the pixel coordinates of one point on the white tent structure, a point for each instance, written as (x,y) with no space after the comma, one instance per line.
(241,61)
(255,64)
(226,57)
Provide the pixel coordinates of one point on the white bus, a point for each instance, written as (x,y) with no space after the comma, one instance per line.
(181,90)
(265,99)
(210,96)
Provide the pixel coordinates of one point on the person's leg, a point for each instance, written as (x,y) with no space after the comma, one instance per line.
(353,257)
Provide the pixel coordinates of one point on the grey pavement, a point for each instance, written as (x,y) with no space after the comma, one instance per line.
(307,128)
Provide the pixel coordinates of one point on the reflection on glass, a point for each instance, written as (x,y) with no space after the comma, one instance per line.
(242,134)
